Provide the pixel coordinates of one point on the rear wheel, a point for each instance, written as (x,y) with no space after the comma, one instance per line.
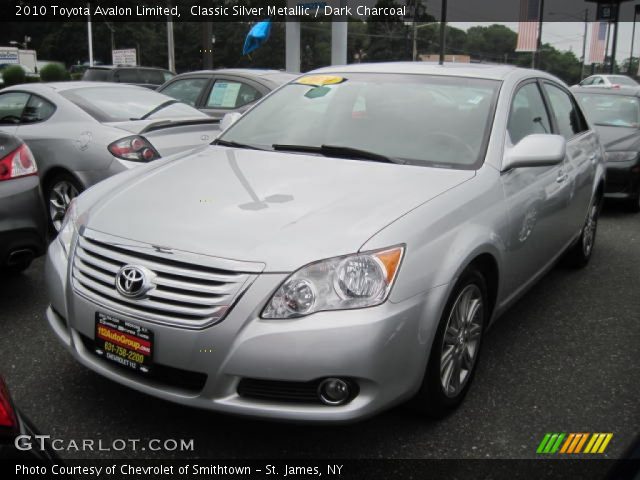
(580,254)
(634,204)
(456,347)
(59,191)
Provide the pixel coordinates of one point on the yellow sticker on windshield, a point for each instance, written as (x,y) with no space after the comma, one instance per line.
(320,80)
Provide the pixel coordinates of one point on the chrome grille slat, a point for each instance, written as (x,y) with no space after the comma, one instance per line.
(189,290)
(156,265)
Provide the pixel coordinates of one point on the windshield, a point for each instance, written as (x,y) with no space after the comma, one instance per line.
(611,110)
(116,104)
(415,119)
(622,80)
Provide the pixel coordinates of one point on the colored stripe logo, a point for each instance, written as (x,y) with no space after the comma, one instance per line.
(574,443)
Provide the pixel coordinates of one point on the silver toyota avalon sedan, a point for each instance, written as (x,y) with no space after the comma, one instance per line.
(340,249)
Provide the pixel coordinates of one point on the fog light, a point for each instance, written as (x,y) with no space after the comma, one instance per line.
(333,391)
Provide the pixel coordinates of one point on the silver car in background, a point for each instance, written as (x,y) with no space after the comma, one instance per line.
(83,132)
(342,248)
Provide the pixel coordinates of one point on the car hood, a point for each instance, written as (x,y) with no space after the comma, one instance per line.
(281,209)
(618,139)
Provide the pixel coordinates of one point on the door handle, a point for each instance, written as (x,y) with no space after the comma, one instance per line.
(561,177)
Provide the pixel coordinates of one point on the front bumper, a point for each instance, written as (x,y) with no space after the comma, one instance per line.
(383,349)
(23,225)
(623,180)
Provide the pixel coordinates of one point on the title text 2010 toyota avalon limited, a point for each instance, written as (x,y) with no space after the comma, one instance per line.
(342,247)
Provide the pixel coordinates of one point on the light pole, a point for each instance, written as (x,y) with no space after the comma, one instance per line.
(633,37)
(583,59)
(443,30)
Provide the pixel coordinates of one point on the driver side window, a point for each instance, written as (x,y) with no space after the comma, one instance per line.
(11,107)
(528,114)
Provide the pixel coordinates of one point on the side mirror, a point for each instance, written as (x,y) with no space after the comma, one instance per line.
(536,150)
(229,119)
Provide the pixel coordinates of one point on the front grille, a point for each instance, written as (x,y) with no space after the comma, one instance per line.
(173,377)
(189,290)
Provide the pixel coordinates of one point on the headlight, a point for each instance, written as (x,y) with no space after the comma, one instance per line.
(620,156)
(341,283)
(68,230)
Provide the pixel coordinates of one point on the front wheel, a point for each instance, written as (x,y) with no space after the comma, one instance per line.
(580,254)
(59,192)
(456,347)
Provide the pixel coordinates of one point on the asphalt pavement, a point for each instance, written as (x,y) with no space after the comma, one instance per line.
(565,358)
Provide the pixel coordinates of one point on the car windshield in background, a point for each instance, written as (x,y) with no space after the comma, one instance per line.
(622,80)
(115,104)
(611,110)
(415,119)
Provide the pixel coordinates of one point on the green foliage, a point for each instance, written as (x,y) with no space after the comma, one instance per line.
(54,72)
(13,75)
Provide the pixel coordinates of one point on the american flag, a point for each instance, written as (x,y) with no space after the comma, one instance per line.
(528,26)
(598,38)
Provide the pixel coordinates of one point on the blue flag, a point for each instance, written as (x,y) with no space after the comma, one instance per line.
(258,34)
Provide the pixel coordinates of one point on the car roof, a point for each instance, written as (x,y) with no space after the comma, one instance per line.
(125,67)
(275,76)
(62,86)
(622,91)
(471,70)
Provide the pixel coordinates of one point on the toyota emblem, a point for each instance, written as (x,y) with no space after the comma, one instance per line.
(133,281)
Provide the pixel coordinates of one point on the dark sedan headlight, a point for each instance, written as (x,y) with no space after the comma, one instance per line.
(341,283)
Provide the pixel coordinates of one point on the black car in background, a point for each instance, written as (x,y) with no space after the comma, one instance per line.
(149,77)
(15,425)
(23,224)
(217,92)
(615,113)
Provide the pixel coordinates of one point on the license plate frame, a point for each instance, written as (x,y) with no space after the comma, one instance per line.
(123,343)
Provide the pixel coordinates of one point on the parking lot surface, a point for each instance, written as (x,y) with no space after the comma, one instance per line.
(563,359)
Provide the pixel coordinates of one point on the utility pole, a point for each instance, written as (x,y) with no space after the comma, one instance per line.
(207,50)
(171,53)
(584,42)
(443,31)
(538,52)
(90,35)
(614,44)
(633,37)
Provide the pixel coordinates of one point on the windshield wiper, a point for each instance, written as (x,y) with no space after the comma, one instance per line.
(337,151)
(157,109)
(231,143)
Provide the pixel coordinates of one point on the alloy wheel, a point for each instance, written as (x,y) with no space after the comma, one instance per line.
(60,197)
(461,341)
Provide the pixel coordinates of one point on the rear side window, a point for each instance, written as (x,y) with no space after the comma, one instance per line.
(230,94)
(11,106)
(152,77)
(528,113)
(568,116)
(97,75)
(127,76)
(37,110)
(187,90)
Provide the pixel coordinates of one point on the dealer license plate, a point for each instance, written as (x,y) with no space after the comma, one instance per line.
(123,342)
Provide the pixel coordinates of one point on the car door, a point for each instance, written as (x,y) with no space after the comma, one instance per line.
(12,105)
(582,154)
(231,95)
(187,90)
(536,196)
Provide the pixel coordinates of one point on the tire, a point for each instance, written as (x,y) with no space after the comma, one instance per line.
(440,394)
(15,269)
(58,193)
(633,205)
(579,254)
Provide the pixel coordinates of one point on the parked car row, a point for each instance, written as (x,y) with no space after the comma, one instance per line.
(339,248)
